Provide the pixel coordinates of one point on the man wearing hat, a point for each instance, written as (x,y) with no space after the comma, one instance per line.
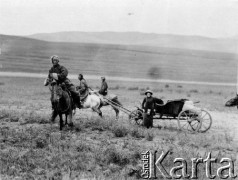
(104,87)
(60,73)
(148,105)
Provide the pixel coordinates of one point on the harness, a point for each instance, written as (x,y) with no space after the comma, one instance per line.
(82,99)
(68,107)
(54,92)
(70,96)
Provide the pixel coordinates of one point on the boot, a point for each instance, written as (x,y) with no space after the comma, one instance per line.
(77,102)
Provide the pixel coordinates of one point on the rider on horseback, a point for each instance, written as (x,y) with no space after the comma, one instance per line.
(60,73)
(104,87)
(82,88)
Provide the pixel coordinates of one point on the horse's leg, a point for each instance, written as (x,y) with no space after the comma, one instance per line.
(116,109)
(53,116)
(61,121)
(66,119)
(71,124)
(94,103)
(117,112)
(101,105)
(74,111)
(98,111)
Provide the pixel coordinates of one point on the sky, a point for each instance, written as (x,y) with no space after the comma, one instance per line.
(211,18)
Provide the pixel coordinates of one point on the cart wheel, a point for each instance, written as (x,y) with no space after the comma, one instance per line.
(136,117)
(206,119)
(189,121)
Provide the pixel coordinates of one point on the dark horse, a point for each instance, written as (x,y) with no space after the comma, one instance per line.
(62,102)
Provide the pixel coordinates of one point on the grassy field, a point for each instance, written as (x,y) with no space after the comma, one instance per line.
(29,55)
(33,148)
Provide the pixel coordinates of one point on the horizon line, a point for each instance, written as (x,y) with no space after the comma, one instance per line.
(148,33)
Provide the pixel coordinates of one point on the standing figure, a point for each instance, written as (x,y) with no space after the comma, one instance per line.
(148,105)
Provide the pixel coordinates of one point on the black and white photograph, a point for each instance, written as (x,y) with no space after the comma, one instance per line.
(118,89)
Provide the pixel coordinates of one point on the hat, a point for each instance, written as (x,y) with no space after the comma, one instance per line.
(103,77)
(54,57)
(149,91)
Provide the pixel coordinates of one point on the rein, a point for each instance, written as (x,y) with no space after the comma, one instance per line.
(54,93)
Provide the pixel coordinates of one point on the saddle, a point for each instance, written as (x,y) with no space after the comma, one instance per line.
(63,86)
(84,96)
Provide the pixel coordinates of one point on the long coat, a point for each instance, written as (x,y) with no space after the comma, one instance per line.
(148,103)
(83,89)
(104,87)
(61,72)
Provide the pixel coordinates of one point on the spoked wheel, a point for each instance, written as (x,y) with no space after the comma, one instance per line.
(136,117)
(206,120)
(189,121)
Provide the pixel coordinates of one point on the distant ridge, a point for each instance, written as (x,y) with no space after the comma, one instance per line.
(143,39)
(21,54)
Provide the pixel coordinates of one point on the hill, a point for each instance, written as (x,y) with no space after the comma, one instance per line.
(30,55)
(144,39)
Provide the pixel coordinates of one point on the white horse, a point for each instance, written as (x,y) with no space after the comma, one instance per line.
(94,101)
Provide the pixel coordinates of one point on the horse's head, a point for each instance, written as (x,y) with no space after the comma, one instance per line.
(56,91)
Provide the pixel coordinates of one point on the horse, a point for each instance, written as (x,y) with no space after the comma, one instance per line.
(94,101)
(62,102)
